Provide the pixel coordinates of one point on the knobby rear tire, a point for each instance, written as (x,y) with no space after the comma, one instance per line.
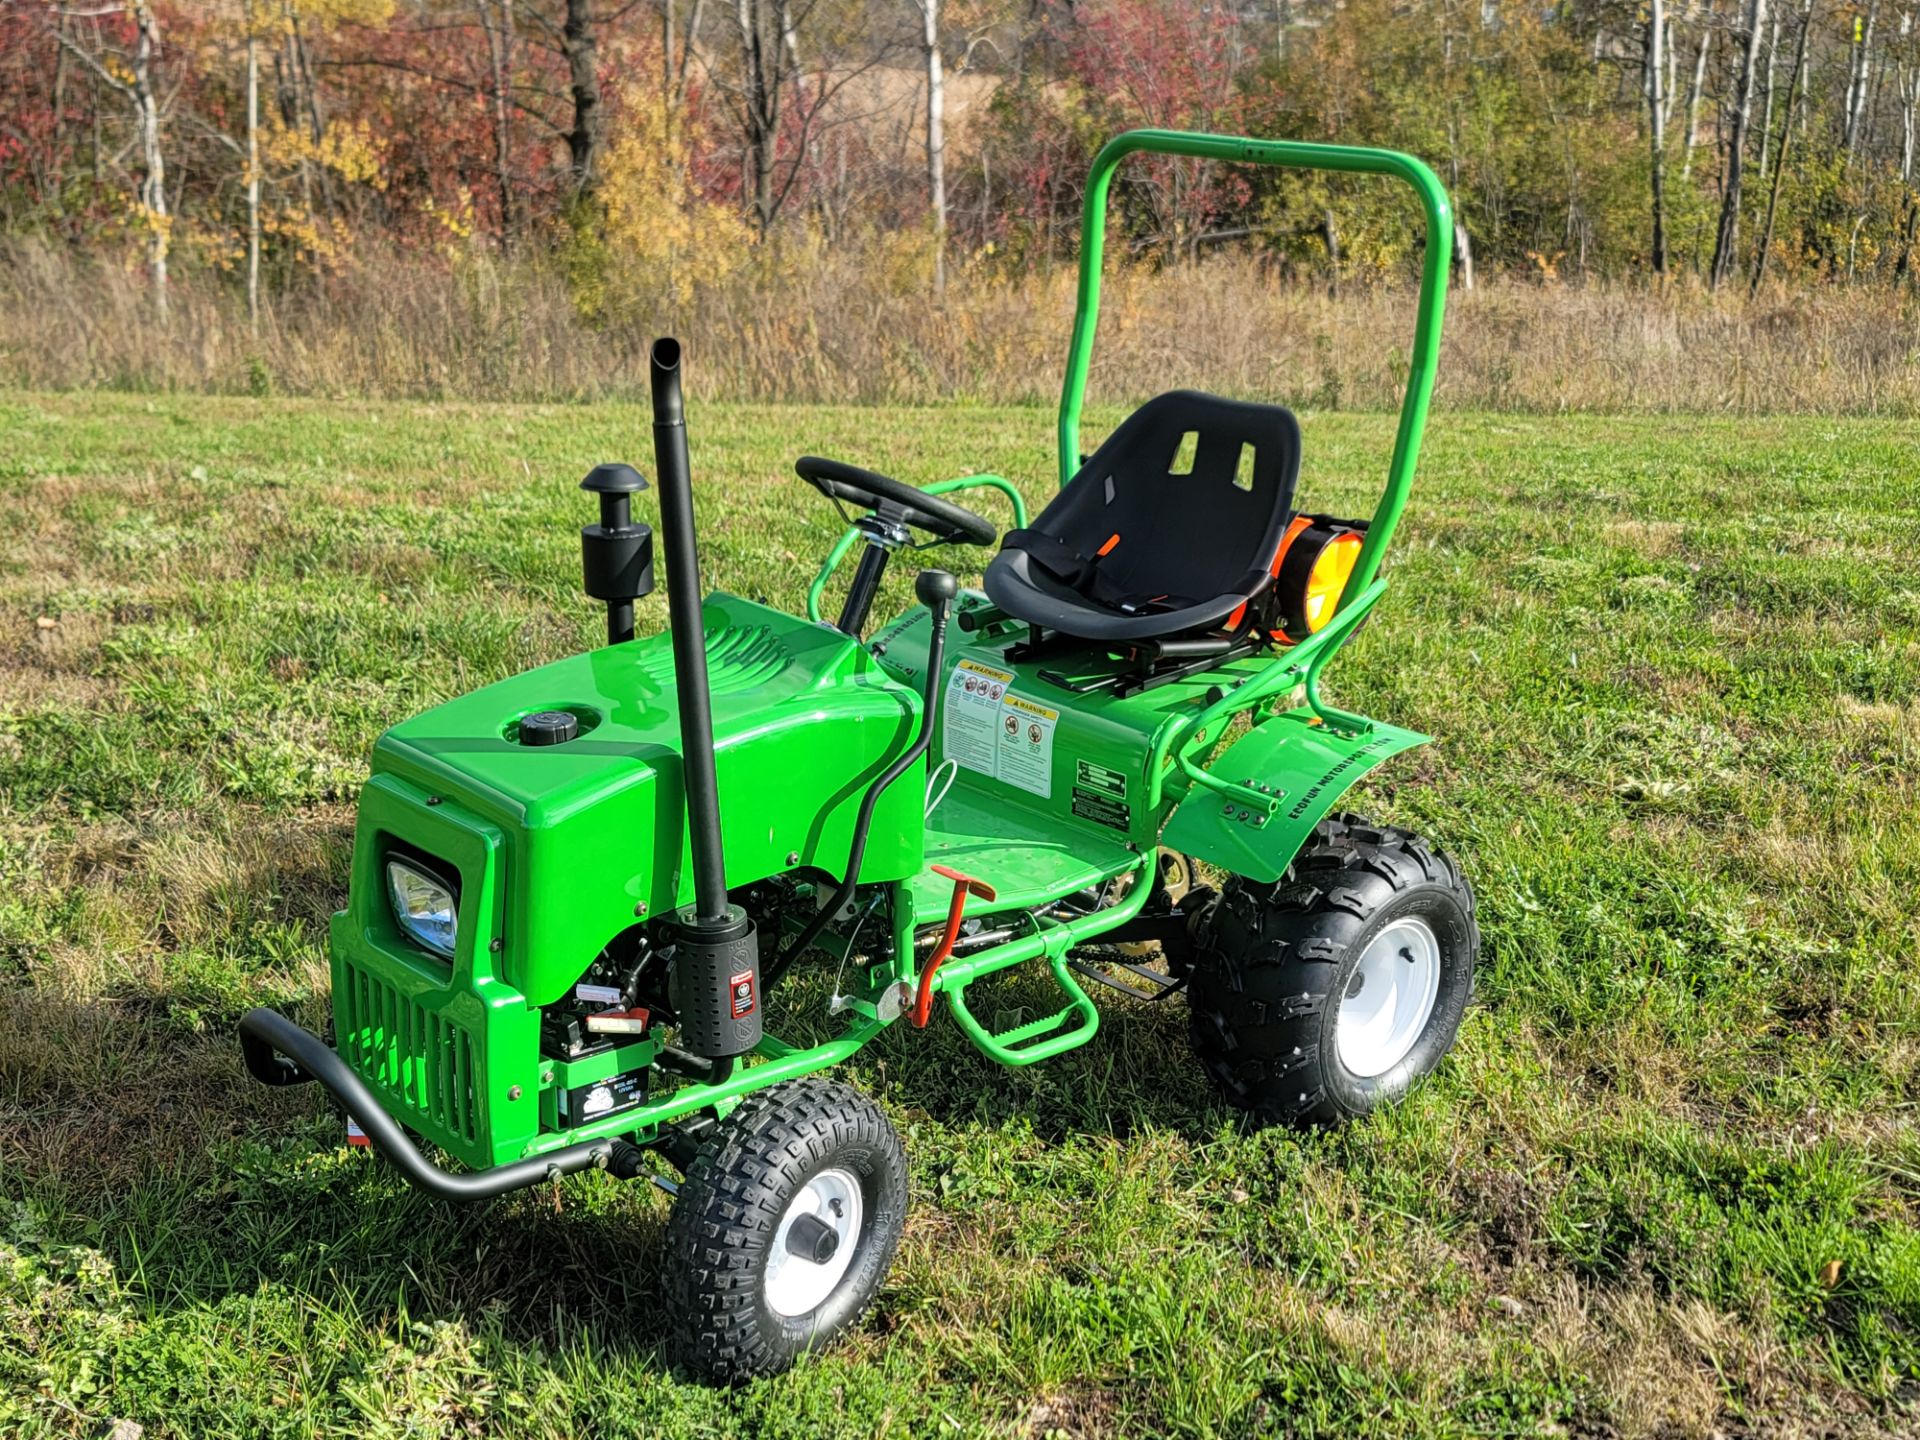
(1274,961)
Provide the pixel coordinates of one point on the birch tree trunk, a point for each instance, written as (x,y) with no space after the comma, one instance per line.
(1857,79)
(93,125)
(153,186)
(1657,124)
(1907,81)
(1786,137)
(1670,87)
(253,175)
(1693,95)
(60,63)
(1726,242)
(936,138)
(666,47)
(500,58)
(1766,108)
(1904,84)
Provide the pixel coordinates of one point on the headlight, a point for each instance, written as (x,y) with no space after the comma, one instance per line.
(424,906)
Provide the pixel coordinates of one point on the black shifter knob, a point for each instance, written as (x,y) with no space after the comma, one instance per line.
(935,588)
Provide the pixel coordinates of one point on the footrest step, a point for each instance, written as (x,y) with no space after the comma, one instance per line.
(1037,1039)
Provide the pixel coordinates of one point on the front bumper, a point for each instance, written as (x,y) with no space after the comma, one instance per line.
(279,1052)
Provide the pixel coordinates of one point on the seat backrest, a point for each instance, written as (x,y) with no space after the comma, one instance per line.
(1197,489)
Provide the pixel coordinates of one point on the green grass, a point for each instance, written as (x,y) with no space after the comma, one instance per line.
(1668,1183)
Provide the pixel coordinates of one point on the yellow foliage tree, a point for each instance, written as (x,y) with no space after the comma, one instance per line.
(330,14)
(661,237)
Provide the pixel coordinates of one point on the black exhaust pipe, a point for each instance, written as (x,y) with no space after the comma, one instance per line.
(689,634)
(715,980)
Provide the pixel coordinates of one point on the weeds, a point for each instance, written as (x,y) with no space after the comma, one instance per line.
(833,326)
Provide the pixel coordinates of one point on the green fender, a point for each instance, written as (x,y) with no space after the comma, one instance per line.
(1304,765)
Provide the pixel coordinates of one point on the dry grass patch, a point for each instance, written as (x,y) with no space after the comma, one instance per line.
(1654,538)
(825,332)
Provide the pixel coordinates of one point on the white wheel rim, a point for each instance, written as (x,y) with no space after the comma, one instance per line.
(1389,998)
(797,1285)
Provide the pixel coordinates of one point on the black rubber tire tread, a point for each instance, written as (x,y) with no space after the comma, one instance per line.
(723,1221)
(1272,961)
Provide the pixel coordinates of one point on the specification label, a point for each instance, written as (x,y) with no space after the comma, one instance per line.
(992,731)
(1100,795)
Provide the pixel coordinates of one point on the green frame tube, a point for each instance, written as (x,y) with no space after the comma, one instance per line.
(1038,1040)
(1046,1037)
(1297,668)
(1296,155)
(789,1063)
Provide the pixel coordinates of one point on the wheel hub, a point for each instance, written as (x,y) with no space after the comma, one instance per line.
(814,1244)
(1390,998)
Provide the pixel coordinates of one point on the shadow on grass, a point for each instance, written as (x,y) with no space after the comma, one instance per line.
(124,1129)
(130,1124)
(1136,1073)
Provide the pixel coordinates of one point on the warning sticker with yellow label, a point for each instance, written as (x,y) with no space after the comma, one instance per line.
(991,731)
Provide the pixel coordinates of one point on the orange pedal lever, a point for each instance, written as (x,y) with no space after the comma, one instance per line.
(963,885)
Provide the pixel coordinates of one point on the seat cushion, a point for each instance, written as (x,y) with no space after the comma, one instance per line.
(1169,527)
(1026,592)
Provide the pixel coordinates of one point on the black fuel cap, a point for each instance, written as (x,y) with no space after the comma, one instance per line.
(549,727)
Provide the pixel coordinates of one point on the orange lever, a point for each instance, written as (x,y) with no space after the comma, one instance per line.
(962,886)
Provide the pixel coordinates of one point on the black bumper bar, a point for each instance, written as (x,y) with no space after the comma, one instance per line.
(279,1052)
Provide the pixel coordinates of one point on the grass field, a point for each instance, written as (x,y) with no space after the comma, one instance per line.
(1668,1184)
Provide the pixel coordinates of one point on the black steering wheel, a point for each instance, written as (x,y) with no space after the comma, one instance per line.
(939,517)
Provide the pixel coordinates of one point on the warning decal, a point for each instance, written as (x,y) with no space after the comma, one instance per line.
(992,731)
(740,992)
(972,712)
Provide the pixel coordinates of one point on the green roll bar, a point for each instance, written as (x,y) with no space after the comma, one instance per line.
(1296,155)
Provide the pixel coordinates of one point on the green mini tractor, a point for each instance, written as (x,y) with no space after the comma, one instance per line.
(577,894)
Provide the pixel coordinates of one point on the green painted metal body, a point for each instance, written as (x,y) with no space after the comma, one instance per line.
(1043,793)
(559,849)
(803,721)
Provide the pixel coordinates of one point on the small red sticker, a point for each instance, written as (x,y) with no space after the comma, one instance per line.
(740,986)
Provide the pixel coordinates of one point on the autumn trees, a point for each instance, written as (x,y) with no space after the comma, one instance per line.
(273,141)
